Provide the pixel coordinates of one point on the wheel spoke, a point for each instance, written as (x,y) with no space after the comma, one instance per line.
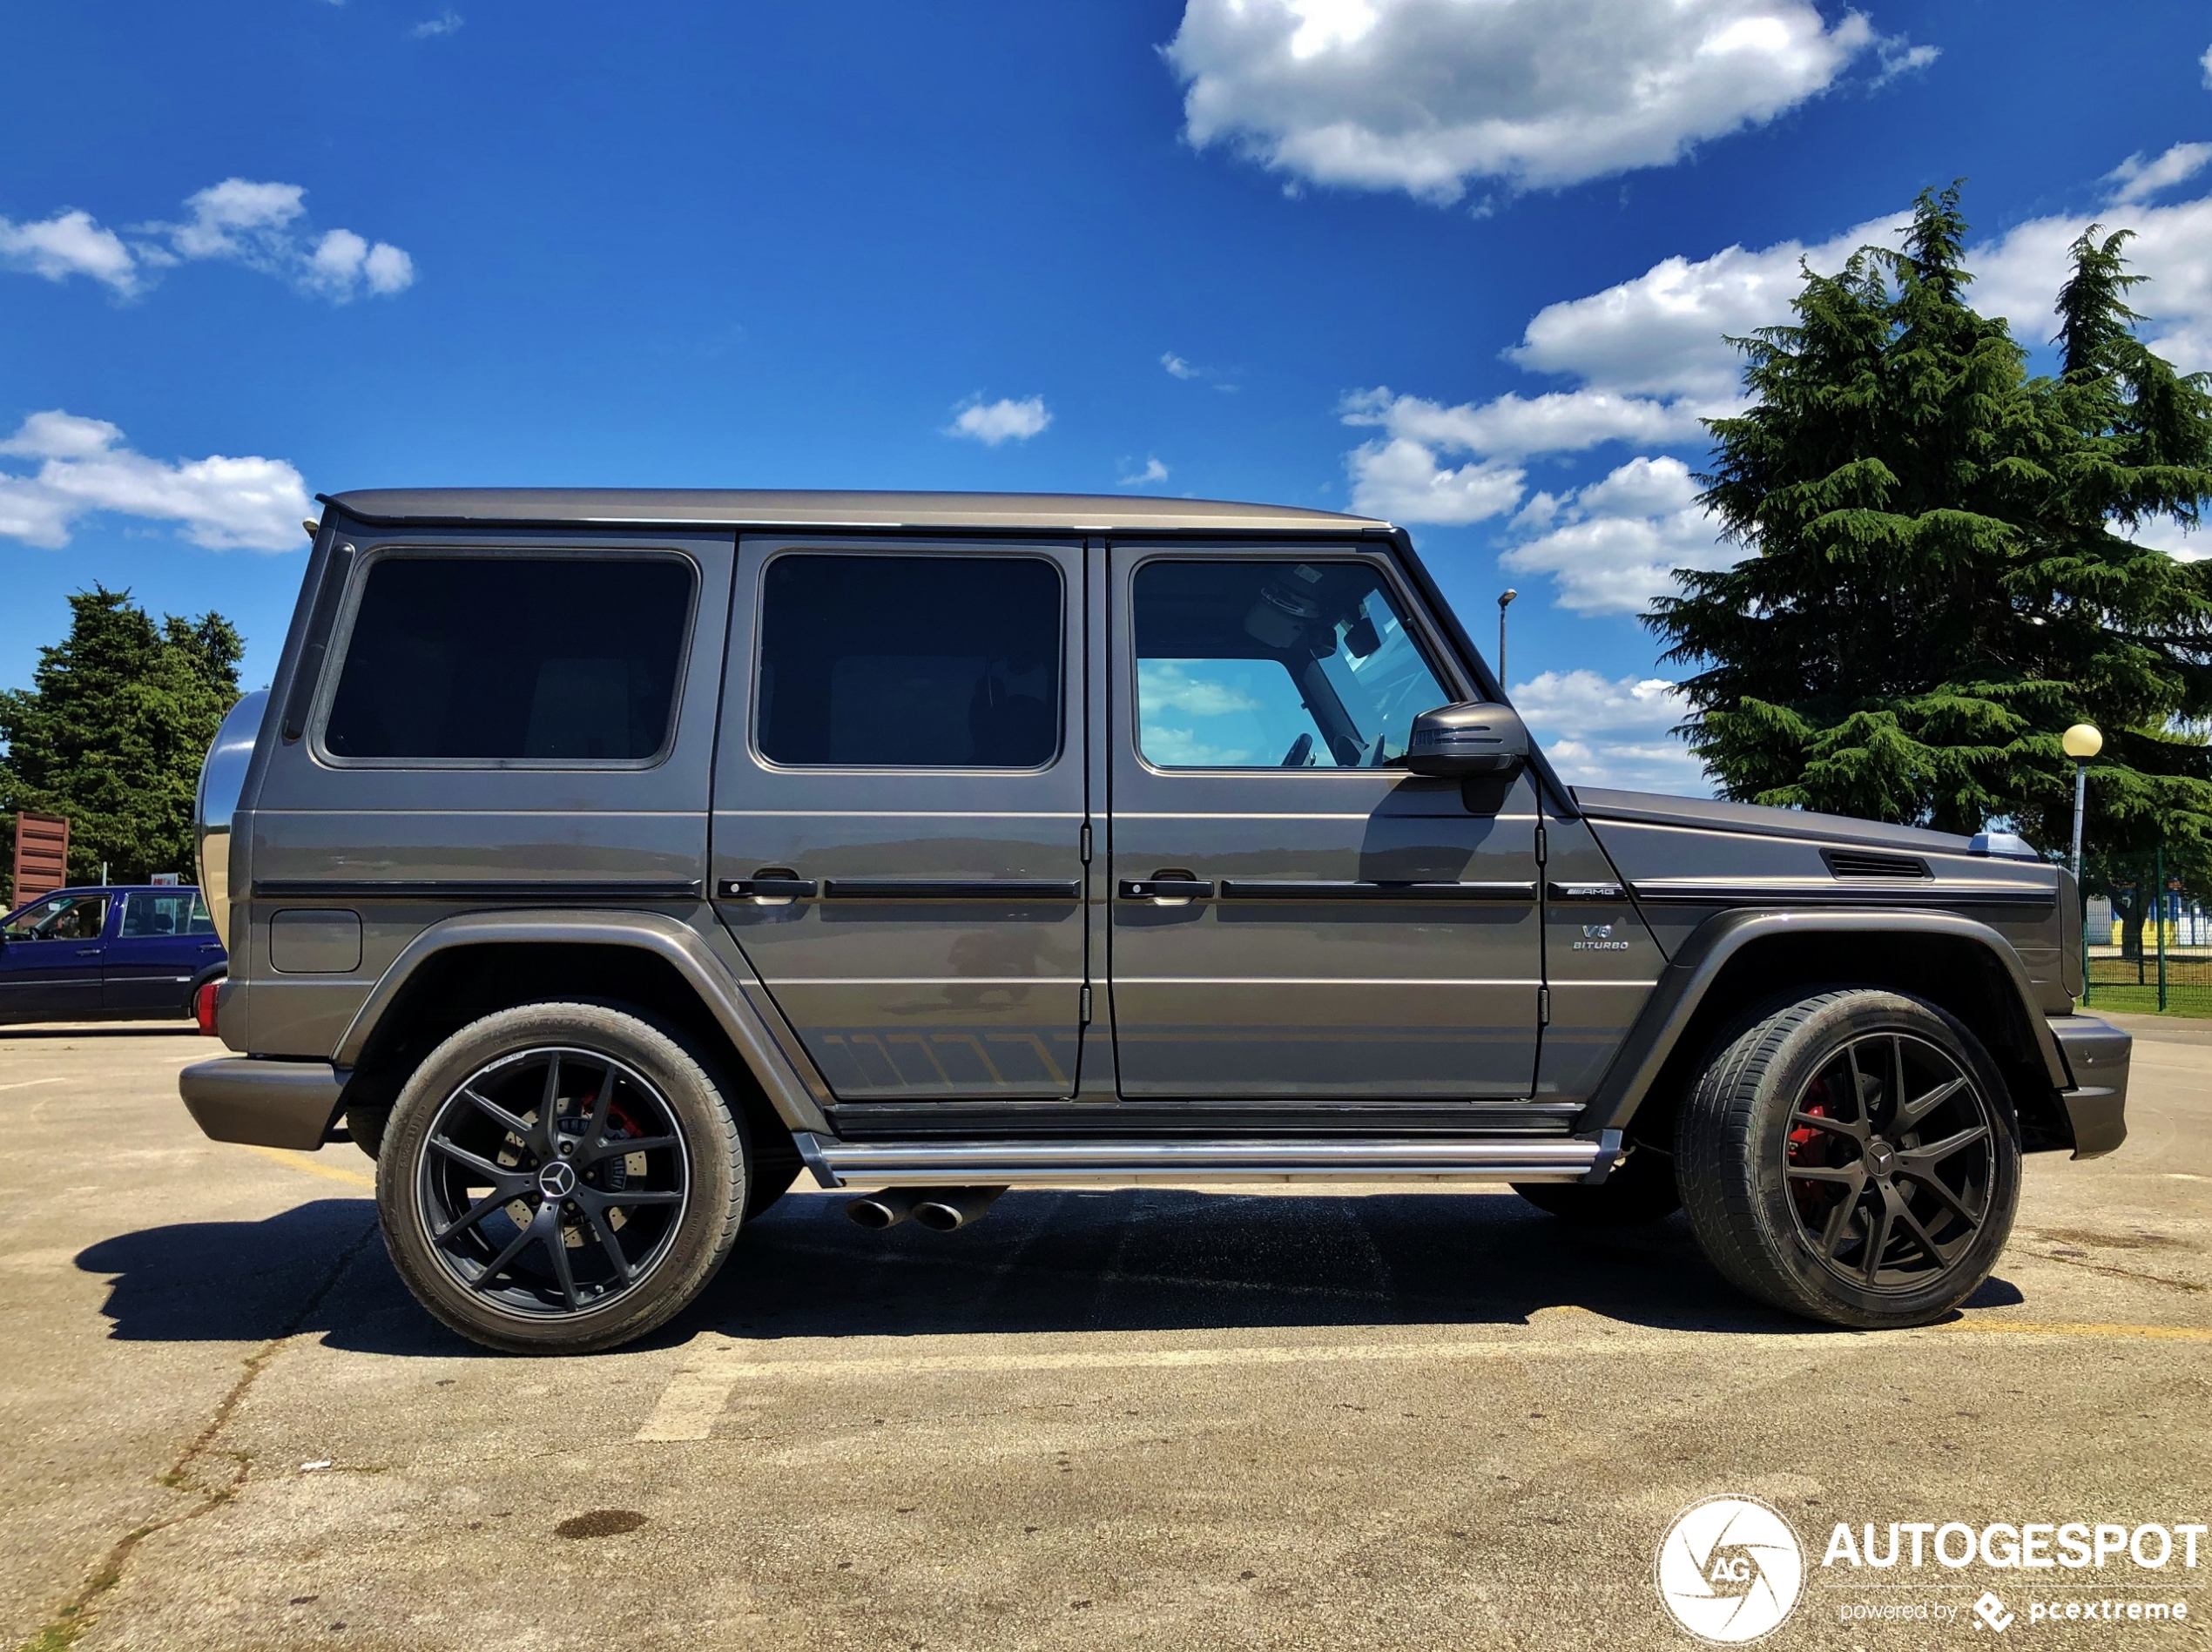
(1911,1114)
(498,1175)
(498,1198)
(516,1125)
(1856,1130)
(557,1247)
(1858,1086)
(514,1248)
(623,1200)
(1921,1236)
(1878,1240)
(607,1241)
(1836,1230)
(621,1147)
(1925,1159)
(1936,1186)
(548,1106)
(594,1128)
(1897,1081)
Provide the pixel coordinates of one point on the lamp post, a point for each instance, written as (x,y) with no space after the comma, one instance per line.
(2081,742)
(1503,599)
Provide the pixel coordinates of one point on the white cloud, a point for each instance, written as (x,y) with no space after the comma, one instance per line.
(1612,732)
(252,503)
(261,226)
(1153,471)
(65,244)
(2181,542)
(447,23)
(992,422)
(2139,179)
(1514,426)
(1177,367)
(2206,61)
(1401,480)
(1424,95)
(1899,57)
(1619,540)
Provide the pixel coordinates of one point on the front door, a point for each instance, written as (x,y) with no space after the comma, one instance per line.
(899,804)
(50,960)
(1294,915)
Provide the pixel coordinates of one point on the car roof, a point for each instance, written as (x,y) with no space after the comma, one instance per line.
(740,507)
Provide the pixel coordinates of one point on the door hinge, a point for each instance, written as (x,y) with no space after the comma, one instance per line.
(1086,843)
(1543,847)
(1086,1006)
(1543,1006)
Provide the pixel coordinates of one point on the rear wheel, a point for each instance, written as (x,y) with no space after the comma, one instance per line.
(559,1178)
(1853,1157)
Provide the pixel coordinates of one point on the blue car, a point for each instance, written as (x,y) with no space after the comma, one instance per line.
(135,953)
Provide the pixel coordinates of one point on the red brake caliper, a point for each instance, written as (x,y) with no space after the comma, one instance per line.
(1802,1152)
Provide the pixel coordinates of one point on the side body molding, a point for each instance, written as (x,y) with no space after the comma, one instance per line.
(664,937)
(1684,984)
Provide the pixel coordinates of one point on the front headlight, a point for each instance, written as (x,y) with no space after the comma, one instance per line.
(221,778)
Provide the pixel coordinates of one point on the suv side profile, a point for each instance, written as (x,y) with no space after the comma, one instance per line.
(599,858)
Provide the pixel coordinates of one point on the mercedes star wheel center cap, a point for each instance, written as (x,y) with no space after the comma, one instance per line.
(556,1180)
(1881,1158)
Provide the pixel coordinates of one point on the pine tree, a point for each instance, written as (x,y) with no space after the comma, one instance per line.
(113,732)
(1941,581)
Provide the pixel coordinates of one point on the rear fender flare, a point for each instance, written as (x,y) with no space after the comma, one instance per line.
(666,938)
(1687,979)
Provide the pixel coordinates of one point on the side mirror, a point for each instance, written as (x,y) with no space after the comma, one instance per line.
(1474,740)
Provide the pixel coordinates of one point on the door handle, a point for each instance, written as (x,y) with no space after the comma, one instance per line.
(770,883)
(1174,886)
(88,952)
(210,946)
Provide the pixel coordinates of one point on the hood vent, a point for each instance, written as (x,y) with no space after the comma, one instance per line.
(1863,863)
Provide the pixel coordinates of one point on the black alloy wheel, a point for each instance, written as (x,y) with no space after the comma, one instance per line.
(1889,1161)
(554,1181)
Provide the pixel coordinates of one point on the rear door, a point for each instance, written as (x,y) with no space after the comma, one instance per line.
(50,960)
(1293,917)
(163,939)
(900,807)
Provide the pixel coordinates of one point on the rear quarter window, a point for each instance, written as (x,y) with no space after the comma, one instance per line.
(553,660)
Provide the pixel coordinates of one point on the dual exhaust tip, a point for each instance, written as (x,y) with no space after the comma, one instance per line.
(938,1208)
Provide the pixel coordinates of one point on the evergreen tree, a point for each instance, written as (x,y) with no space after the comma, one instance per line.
(113,732)
(1940,582)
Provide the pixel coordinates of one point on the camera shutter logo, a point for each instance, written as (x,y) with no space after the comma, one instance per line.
(1730,1570)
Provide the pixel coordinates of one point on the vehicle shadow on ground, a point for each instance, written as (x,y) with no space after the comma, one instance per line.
(1121,1260)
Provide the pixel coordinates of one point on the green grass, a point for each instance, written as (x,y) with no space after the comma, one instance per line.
(2191,1000)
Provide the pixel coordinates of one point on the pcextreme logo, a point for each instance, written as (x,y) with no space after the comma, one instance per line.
(1730,1570)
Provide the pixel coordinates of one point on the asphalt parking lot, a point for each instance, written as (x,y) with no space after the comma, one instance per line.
(1331,1418)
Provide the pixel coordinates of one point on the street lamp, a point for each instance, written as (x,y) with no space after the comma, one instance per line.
(2081,742)
(1504,598)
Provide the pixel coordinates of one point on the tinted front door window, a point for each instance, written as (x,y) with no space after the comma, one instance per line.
(1274,664)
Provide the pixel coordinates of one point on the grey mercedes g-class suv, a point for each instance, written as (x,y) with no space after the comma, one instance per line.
(598,860)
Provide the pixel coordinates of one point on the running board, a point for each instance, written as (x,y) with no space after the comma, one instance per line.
(1035,1163)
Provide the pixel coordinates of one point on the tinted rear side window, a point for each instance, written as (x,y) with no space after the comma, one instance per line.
(910,662)
(511,657)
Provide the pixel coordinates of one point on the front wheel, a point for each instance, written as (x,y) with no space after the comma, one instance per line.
(1853,1157)
(559,1178)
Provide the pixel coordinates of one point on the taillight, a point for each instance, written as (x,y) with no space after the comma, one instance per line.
(203,1007)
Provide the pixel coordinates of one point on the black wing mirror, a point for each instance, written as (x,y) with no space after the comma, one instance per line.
(1474,740)
(1481,745)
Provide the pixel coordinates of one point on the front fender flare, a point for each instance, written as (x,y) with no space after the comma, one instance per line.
(1684,984)
(666,938)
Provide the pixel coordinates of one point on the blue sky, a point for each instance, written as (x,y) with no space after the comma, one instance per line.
(1273,250)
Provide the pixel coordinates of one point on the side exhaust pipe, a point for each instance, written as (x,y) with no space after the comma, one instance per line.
(943,1210)
(884,1209)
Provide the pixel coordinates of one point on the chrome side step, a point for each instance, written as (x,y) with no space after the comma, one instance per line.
(1045,1163)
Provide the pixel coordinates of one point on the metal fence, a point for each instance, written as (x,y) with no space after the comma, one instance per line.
(2149,932)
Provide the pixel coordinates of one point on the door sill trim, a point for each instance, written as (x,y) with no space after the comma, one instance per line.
(838,1164)
(919,1121)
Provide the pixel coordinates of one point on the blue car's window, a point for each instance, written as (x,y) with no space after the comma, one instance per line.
(63,918)
(513,658)
(1265,664)
(911,662)
(182,913)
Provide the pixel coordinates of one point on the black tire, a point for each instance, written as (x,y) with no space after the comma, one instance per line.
(1852,1157)
(547,1268)
(1642,1191)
